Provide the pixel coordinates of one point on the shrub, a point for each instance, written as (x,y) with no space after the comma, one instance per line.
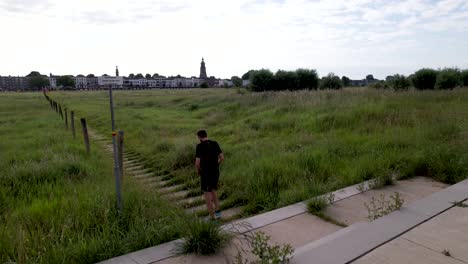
(448,78)
(285,80)
(424,79)
(265,253)
(261,80)
(203,237)
(464,77)
(331,81)
(399,82)
(379,85)
(307,79)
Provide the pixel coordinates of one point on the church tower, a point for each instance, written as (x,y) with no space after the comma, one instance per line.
(203,70)
(116,70)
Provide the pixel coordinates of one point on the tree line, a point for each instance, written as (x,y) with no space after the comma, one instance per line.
(300,79)
(426,79)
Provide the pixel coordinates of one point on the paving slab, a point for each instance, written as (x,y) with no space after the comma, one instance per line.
(447,231)
(225,256)
(362,240)
(299,230)
(353,209)
(401,251)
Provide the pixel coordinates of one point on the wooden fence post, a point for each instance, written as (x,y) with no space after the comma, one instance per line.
(72,123)
(60,111)
(66,118)
(85,134)
(120,146)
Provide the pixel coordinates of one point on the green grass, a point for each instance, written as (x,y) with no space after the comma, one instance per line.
(203,237)
(285,147)
(57,204)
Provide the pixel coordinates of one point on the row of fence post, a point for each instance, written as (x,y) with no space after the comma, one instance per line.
(70,123)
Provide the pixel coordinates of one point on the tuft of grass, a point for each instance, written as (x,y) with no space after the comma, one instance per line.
(446,252)
(203,238)
(460,204)
(264,252)
(317,206)
(379,207)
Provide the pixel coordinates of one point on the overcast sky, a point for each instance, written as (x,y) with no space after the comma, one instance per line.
(169,37)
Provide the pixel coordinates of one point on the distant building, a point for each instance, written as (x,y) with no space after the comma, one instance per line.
(358,83)
(13,83)
(52,81)
(92,82)
(81,82)
(203,70)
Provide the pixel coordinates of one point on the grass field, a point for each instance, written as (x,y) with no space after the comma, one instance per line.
(57,203)
(285,147)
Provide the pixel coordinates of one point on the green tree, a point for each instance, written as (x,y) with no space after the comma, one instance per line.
(90,75)
(370,77)
(284,80)
(131,76)
(331,81)
(399,82)
(246,76)
(307,79)
(424,79)
(148,76)
(236,81)
(65,81)
(155,75)
(204,85)
(345,81)
(448,78)
(464,77)
(139,76)
(33,74)
(261,80)
(38,81)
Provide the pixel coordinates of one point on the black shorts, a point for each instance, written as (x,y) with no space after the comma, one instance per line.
(209,181)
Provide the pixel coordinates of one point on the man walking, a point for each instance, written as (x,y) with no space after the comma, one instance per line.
(208,157)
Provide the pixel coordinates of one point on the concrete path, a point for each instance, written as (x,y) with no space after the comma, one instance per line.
(304,228)
(415,223)
(441,240)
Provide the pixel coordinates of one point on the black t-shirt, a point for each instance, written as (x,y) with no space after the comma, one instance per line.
(208,152)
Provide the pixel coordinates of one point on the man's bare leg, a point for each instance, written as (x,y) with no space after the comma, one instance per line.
(215,200)
(209,204)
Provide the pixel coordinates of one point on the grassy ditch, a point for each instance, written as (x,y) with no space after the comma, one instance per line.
(57,204)
(285,147)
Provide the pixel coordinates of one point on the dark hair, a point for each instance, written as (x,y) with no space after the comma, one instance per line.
(202,134)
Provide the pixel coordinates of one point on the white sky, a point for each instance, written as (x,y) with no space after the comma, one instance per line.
(169,37)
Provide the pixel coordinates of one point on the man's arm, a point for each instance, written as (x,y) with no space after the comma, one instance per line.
(220,158)
(197,165)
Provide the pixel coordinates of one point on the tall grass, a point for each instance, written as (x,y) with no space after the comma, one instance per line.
(284,147)
(57,204)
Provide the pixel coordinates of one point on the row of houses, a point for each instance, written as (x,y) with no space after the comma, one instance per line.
(82,82)
(118,82)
